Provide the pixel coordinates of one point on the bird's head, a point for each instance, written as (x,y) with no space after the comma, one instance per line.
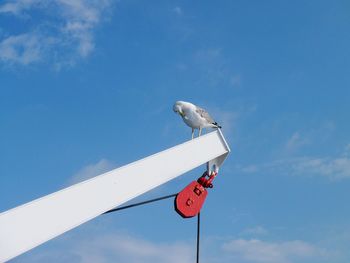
(177,108)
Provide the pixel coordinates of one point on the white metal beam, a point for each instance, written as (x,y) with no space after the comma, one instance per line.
(29,225)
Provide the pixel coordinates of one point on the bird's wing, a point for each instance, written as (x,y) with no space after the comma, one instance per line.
(204,114)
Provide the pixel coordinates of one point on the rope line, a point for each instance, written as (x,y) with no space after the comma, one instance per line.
(155,200)
(141,203)
(198,234)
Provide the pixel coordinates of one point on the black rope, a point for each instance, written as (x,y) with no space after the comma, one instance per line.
(155,200)
(198,234)
(141,203)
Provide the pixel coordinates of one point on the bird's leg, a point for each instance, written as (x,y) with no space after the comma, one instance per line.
(192,133)
(200,131)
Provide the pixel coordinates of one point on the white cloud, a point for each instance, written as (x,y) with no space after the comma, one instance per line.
(235,80)
(295,142)
(131,249)
(335,168)
(178,10)
(23,49)
(66,31)
(257,230)
(332,167)
(17,6)
(250,168)
(227,119)
(92,170)
(214,69)
(102,246)
(347,150)
(255,250)
(101,242)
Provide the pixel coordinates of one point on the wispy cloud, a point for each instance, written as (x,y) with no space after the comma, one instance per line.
(290,160)
(178,10)
(347,150)
(107,245)
(335,168)
(295,142)
(104,243)
(131,249)
(227,119)
(255,250)
(92,170)
(16,7)
(256,230)
(212,68)
(22,49)
(64,33)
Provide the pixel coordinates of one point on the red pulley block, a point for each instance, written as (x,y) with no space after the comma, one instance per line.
(189,201)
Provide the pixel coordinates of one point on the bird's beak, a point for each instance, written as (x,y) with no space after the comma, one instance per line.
(182,114)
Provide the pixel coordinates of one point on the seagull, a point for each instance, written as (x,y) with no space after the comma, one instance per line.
(194,116)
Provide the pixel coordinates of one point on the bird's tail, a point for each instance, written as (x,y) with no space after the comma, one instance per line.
(217,125)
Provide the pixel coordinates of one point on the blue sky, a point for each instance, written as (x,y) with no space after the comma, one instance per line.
(87,86)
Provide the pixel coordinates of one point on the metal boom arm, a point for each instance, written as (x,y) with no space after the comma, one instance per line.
(29,225)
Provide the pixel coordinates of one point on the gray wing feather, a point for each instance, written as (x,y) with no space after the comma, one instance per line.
(204,114)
